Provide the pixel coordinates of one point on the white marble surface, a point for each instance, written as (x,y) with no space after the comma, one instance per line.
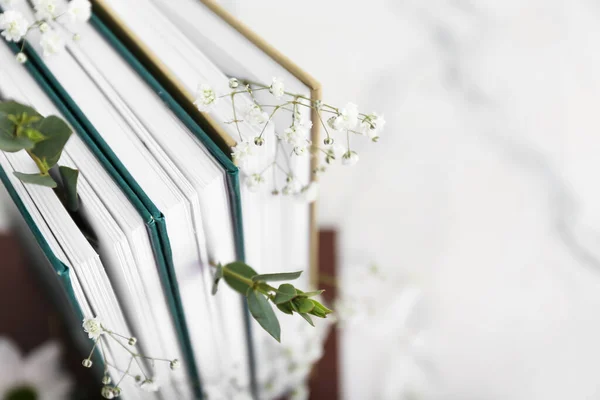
(484,186)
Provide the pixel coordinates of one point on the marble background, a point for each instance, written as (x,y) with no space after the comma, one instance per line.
(482,192)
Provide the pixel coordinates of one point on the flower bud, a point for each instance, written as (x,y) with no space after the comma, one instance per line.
(44,27)
(138,378)
(107,392)
(106,380)
(328,141)
(259,141)
(275,192)
(318,104)
(87,363)
(117,391)
(234,83)
(132,341)
(21,58)
(174,364)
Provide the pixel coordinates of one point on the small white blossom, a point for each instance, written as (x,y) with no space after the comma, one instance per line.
(44,27)
(347,118)
(292,187)
(132,341)
(254,115)
(372,125)
(87,363)
(206,98)
(79,11)
(174,365)
(76,37)
(13,25)
(309,193)
(108,392)
(149,385)
(45,9)
(93,327)
(334,152)
(21,57)
(51,43)
(234,83)
(242,153)
(350,158)
(277,88)
(254,182)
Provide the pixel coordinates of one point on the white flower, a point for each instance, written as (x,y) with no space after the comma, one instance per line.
(45,9)
(309,193)
(350,158)
(44,27)
(21,57)
(254,182)
(347,118)
(242,153)
(296,135)
(372,125)
(13,25)
(175,364)
(79,11)
(254,115)
(292,187)
(108,392)
(51,43)
(301,392)
(277,88)
(93,327)
(37,376)
(206,98)
(149,385)
(334,152)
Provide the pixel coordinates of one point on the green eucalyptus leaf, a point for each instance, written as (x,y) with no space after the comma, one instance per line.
(217,278)
(320,310)
(57,134)
(11,144)
(263,313)
(307,318)
(36,179)
(14,108)
(286,308)
(34,135)
(283,276)
(310,294)
(69,178)
(285,293)
(238,268)
(304,305)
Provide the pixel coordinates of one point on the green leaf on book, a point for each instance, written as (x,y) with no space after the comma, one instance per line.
(285,293)
(284,276)
(36,179)
(263,313)
(69,178)
(12,144)
(57,133)
(242,270)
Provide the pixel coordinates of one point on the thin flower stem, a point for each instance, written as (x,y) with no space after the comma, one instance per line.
(126,372)
(235,116)
(93,348)
(323,123)
(348,138)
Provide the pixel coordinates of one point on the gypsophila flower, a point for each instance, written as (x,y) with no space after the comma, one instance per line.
(174,365)
(79,11)
(350,158)
(44,27)
(206,98)
(372,125)
(21,57)
(51,43)
(106,380)
(149,385)
(309,193)
(255,116)
(93,327)
(87,363)
(301,149)
(277,88)
(45,9)
(108,392)
(334,152)
(13,25)
(254,182)
(132,341)
(292,187)
(242,153)
(76,37)
(234,83)
(347,118)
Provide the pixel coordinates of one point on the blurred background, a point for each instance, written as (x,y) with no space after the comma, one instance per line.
(482,193)
(470,234)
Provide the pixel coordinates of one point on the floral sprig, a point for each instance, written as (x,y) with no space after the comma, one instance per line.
(99,334)
(52,16)
(294,141)
(288,299)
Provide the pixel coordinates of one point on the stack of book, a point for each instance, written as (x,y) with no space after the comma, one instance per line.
(159,194)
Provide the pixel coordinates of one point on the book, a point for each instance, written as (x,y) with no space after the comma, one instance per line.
(182,255)
(189,42)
